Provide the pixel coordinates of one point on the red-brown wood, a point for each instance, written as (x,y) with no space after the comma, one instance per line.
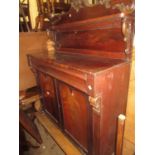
(93,40)
(48,90)
(114,90)
(91,68)
(100,36)
(75,114)
(86,13)
(29,126)
(108,79)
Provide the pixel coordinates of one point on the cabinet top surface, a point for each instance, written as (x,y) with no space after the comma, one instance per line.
(81,63)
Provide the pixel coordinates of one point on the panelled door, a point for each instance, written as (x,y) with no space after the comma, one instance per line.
(47,86)
(76,115)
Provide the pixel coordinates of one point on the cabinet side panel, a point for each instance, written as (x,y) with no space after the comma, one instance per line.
(75,114)
(114,87)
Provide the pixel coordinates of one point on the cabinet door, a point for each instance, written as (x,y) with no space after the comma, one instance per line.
(49,96)
(76,115)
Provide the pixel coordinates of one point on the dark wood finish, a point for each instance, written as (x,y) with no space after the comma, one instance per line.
(94,41)
(22,141)
(81,13)
(75,114)
(68,69)
(29,126)
(114,88)
(27,99)
(47,10)
(101,36)
(91,68)
(48,91)
(106,79)
(24,14)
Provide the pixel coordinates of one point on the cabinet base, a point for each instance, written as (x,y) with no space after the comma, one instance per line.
(57,135)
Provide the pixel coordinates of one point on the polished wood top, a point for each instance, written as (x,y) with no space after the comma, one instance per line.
(88,64)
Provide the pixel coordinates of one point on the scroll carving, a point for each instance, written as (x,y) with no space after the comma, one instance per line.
(127,30)
(106,3)
(78,4)
(126,12)
(96,103)
(126,9)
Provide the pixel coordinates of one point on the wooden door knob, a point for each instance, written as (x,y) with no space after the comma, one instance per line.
(47,93)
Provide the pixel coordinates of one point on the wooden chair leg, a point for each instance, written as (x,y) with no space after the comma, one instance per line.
(41,22)
(120,134)
(29,126)
(37,23)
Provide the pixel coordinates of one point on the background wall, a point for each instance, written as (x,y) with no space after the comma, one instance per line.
(129,134)
(29,42)
(33,11)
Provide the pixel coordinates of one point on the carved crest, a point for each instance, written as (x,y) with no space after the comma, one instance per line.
(126,9)
(78,4)
(106,3)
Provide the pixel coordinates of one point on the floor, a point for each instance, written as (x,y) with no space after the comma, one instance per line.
(48,147)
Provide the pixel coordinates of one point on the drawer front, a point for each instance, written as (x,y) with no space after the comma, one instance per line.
(49,96)
(76,115)
(76,78)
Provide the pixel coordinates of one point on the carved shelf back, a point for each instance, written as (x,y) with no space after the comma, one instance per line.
(106,29)
(80,10)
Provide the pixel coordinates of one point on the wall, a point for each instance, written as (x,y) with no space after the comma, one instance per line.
(129,134)
(33,11)
(29,42)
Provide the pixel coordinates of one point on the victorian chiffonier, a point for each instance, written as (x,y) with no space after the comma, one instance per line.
(85,83)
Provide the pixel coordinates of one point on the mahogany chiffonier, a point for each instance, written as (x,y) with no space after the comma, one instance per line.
(85,83)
